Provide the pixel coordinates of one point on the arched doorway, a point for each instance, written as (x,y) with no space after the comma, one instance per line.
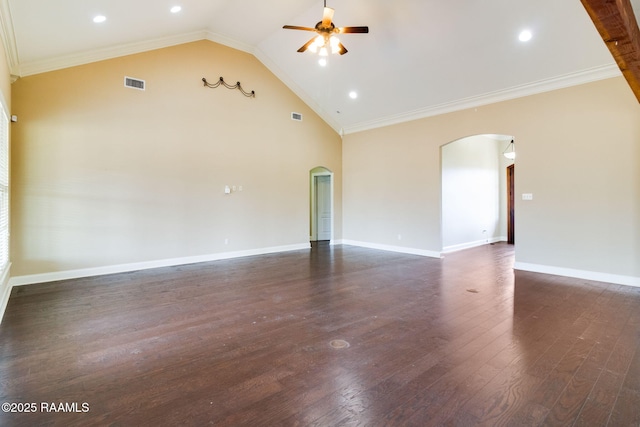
(321,205)
(475,191)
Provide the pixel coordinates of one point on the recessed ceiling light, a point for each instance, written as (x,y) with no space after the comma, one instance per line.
(176,9)
(353,94)
(525,36)
(99,18)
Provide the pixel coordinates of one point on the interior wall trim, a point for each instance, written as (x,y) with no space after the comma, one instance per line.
(73,60)
(469,245)
(8,37)
(124,268)
(65,61)
(400,249)
(579,274)
(559,82)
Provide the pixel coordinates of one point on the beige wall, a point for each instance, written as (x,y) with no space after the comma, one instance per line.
(578,153)
(105,175)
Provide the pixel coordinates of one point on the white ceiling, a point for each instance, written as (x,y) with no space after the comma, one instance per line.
(421,57)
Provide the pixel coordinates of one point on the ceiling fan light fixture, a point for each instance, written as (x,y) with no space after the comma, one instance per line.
(318,42)
(325,41)
(334,42)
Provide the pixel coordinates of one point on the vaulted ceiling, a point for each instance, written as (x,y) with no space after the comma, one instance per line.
(420,58)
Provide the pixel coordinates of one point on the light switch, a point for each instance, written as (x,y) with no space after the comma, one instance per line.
(527,196)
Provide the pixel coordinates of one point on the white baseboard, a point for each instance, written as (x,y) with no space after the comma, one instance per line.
(401,249)
(5,291)
(123,268)
(579,274)
(469,245)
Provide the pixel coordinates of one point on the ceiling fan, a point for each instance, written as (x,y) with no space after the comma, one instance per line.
(326,40)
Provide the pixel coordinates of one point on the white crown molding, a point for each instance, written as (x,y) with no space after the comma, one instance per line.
(229,42)
(9,38)
(37,67)
(66,61)
(559,82)
(578,274)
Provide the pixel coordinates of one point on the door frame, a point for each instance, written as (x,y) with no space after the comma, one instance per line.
(314,209)
(511,199)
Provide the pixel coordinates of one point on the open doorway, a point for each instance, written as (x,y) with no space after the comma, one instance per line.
(474,191)
(321,205)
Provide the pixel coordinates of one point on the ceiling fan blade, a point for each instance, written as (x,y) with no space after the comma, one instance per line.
(345,30)
(327,17)
(295,27)
(306,45)
(342,50)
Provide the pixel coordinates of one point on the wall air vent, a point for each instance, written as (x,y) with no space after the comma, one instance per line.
(133,83)
(296,116)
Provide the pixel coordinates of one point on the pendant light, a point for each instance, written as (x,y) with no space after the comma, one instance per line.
(510,151)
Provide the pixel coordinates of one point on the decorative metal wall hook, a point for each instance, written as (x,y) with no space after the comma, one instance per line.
(251,94)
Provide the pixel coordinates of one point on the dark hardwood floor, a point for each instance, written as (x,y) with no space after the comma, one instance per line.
(258,341)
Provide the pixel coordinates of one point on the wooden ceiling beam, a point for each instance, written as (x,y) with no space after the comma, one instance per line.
(618,27)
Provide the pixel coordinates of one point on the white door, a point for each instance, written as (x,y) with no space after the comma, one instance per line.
(323,207)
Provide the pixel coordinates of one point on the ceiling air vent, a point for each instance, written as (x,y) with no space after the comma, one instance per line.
(296,116)
(133,83)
